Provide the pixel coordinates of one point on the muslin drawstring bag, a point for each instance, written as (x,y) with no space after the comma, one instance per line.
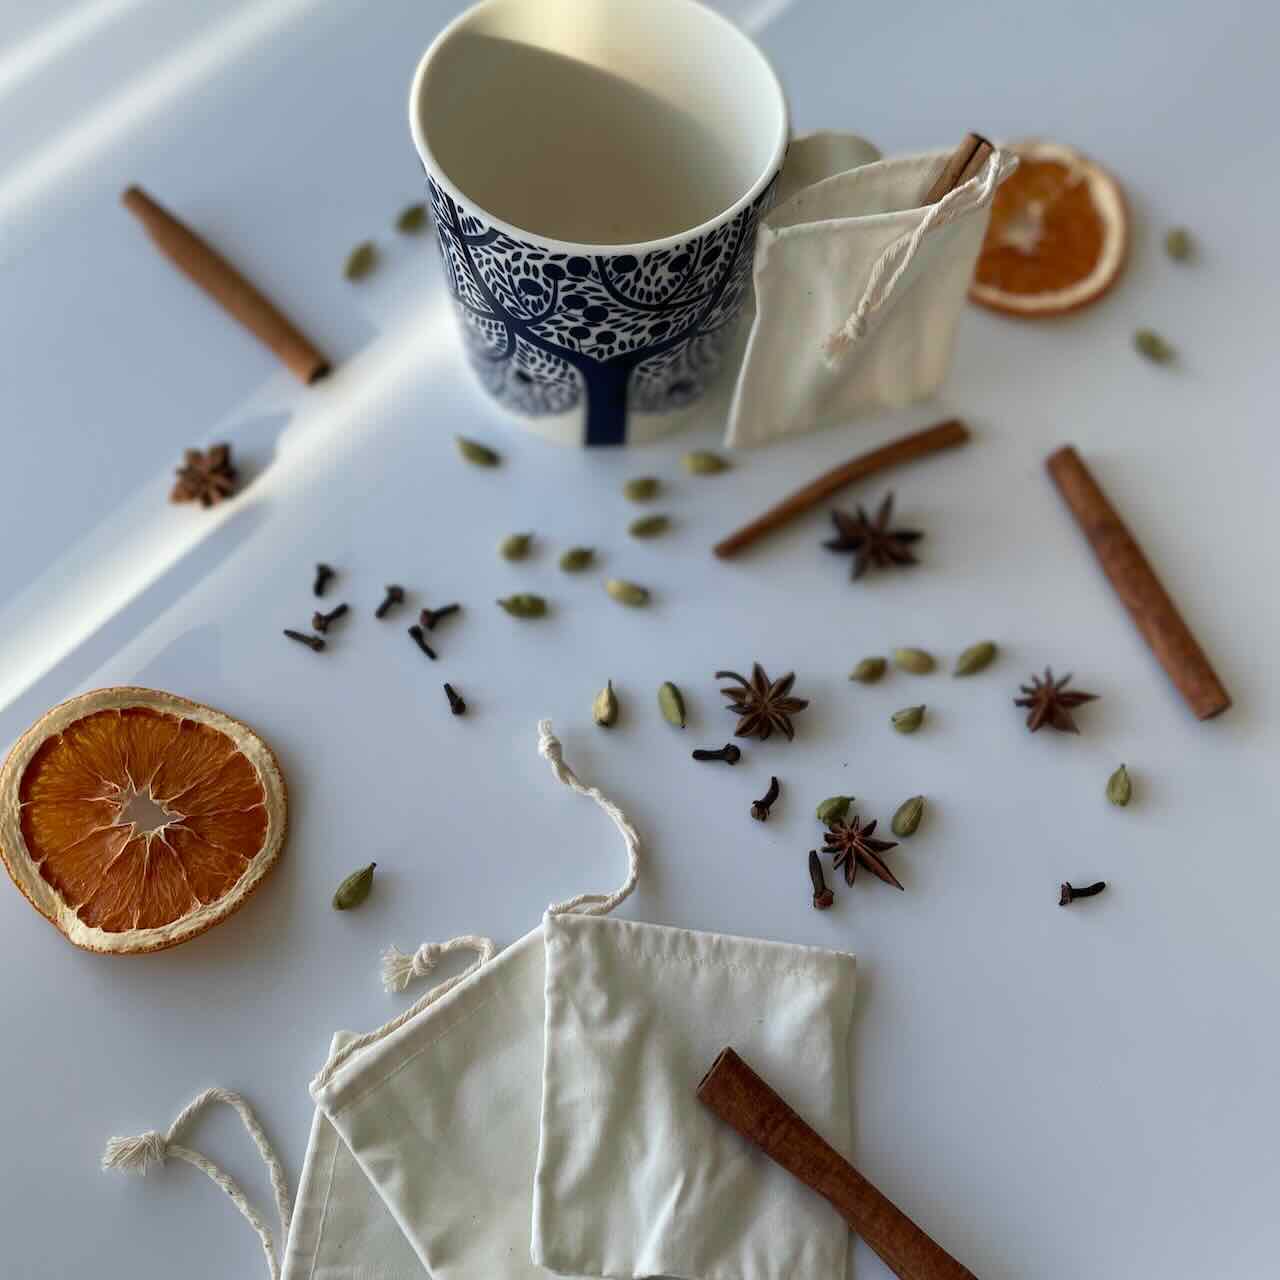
(858,288)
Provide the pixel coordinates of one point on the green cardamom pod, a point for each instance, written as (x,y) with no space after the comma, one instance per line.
(354,889)
(975,658)
(702,463)
(604,710)
(1178,244)
(917,661)
(833,809)
(908,816)
(649,526)
(577,558)
(1153,346)
(641,489)
(412,219)
(869,670)
(909,719)
(1119,788)
(476,453)
(628,593)
(360,261)
(515,546)
(671,704)
(524,605)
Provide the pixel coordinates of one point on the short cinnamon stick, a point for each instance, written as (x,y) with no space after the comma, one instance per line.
(742,1099)
(961,165)
(1135,582)
(226,286)
(944,435)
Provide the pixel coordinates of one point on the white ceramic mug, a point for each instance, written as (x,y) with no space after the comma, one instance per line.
(597,169)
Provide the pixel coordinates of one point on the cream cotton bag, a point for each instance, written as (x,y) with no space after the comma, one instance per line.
(858,288)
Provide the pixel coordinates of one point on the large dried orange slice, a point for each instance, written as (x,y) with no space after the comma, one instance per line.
(1058,235)
(134,819)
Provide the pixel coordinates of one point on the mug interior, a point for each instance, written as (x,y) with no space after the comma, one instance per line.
(599,122)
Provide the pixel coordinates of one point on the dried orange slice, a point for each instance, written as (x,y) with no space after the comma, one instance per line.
(1058,236)
(133,819)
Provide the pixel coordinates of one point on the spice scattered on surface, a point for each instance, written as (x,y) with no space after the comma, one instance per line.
(604,710)
(671,704)
(354,889)
(628,593)
(869,670)
(1150,344)
(1069,893)
(906,820)
(917,661)
(412,219)
(576,559)
(325,574)
(312,642)
(871,541)
(833,809)
(479,455)
(649,526)
(760,808)
(855,845)
(1052,703)
(909,719)
(977,657)
(524,605)
(763,705)
(394,597)
(1178,244)
(729,753)
(420,639)
(205,476)
(1119,787)
(702,463)
(361,261)
(456,704)
(429,617)
(515,546)
(822,896)
(641,489)
(320,621)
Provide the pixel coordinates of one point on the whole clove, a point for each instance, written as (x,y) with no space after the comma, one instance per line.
(1070,893)
(320,621)
(760,808)
(324,575)
(394,596)
(312,642)
(822,896)
(456,704)
(729,753)
(429,617)
(420,639)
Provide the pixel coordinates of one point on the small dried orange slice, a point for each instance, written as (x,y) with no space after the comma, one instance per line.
(133,819)
(1058,235)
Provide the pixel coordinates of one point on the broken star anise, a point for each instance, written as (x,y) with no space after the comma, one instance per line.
(1050,703)
(206,477)
(871,541)
(854,844)
(761,704)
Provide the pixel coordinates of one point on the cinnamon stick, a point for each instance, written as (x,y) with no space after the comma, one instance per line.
(961,165)
(226,286)
(742,1099)
(943,435)
(1135,582)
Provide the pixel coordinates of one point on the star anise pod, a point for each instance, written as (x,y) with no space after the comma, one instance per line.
(205,477)
(1051,702)
(854,844)
(871,541)
(762,705)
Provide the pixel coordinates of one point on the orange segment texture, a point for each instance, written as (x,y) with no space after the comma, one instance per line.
(107,885)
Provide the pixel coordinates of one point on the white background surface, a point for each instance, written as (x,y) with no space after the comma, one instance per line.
(1053,1093)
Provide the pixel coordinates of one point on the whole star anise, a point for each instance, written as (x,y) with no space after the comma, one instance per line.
(205,477)
(871,541)
(854,845)
(762,705)
(1051,703)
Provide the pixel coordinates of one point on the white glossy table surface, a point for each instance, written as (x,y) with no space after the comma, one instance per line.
(1065,1094)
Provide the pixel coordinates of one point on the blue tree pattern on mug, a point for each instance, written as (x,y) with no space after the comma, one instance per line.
(544,329)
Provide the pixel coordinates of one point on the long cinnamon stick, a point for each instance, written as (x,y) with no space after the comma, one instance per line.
(961,165)
(1135,582)
(742,1099)
(225,285)
(944,435)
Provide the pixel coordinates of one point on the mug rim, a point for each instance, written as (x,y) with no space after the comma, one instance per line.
(637,248)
